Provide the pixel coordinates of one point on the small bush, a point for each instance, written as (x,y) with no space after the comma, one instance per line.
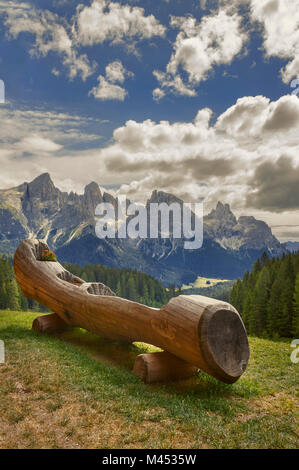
(48,256)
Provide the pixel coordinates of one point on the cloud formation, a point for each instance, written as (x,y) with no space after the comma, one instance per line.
(50,35)
(280,21)
(199,47)
(275,186)
(111,21)
(107,88)
(256,116)
(221,161)
(101,21)
(249,157)
(116,72)
(44,140)
(108,91)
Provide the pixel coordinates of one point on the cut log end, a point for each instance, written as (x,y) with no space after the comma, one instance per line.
(50,323)
(224,344)
(162,367)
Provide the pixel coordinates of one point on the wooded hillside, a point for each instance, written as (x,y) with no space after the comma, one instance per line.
(129,284)
(268,297)
(10,295)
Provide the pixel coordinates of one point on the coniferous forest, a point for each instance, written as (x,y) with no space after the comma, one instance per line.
(11,297)
(268,297)
(126,283)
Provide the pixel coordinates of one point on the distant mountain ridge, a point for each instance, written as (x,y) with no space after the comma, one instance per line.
(292,246)
(67,222)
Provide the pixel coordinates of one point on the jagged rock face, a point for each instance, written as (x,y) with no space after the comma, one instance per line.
(220,222)
(245,233)
(256,234)
(161,248)
(12,231)
(92,197)
(40,201)
(160,197)
(66,221)
(293,246)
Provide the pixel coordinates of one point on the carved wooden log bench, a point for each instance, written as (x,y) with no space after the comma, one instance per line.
(195,332)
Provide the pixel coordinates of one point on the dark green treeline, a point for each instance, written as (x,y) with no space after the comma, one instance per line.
(268,297)
(126,283)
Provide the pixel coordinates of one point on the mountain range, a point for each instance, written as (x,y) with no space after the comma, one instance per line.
(67,222)
(292,246)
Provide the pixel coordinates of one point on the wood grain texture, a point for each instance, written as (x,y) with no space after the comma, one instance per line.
(201,331)
(51,323)
(162,367)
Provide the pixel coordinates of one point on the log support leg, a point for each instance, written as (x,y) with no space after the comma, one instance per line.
(50,323)
(162,367)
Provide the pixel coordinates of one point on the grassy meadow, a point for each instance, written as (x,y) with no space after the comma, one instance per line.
(76,390)
(202,282)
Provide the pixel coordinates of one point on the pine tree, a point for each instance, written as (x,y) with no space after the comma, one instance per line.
(265,259)
(260,301)
(248,314)
(236,296)
(145,293)
(284,323)
(131,289)
(118,289)
(295,321)
(23,303)
(273,308)
(13,295)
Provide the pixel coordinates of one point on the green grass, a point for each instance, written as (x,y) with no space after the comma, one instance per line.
(77,390)
(201,282)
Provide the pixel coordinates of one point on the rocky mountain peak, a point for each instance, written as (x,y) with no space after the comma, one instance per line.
(222,213)
(109,199)
(160,196)
(42,180)
(92,196)
(220,222)
(41,187)
(92,188)
(40,200)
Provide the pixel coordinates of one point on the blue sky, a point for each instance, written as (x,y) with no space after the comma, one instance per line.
(109,91)
(30,80)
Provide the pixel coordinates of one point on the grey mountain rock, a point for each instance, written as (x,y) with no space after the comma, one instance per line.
(67,222)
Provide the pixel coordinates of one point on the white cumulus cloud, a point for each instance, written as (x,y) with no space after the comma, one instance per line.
(108,91)
(199,47)
(280,20)
(50,35)
(107,88)
(111,21)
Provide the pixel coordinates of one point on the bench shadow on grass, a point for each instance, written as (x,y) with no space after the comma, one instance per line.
(122,356)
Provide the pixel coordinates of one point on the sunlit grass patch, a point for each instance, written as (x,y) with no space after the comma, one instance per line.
(77,390)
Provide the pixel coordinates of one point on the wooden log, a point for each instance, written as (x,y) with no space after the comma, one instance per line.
(51,323)
(202,331)
(162,367)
